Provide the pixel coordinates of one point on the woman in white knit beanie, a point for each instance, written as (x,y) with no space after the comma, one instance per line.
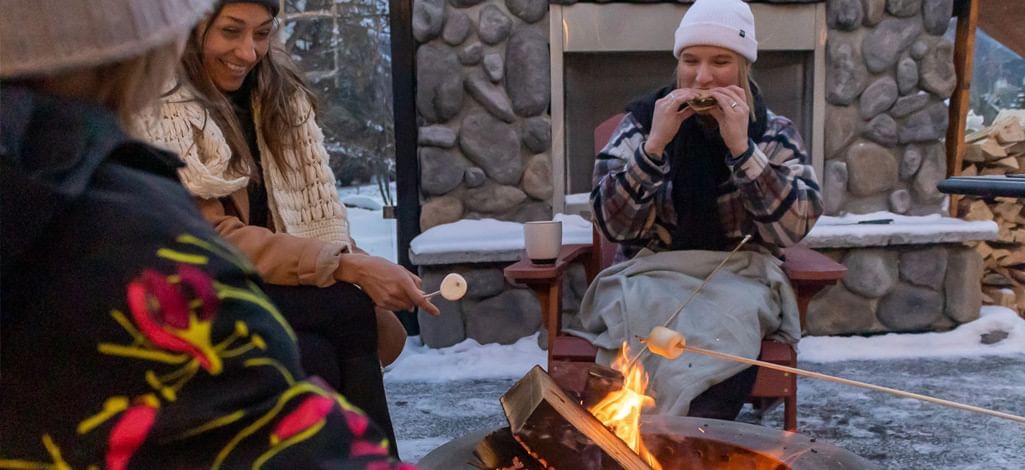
(697,166)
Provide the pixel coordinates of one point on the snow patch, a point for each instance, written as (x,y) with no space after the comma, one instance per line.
(963,341)
(412,450)
(464,361)
(363,202)
(491,235)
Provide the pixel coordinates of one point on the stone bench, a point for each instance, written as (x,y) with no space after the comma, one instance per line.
(915,274)
(493,311)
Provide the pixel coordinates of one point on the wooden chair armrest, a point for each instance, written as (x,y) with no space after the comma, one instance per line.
(804,265)
(526,272)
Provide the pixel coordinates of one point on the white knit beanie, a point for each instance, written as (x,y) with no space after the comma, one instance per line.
(42,37)
(724,23)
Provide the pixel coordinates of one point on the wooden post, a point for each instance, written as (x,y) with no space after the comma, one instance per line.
(964,55)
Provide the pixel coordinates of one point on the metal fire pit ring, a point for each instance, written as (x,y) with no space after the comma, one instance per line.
(682,442)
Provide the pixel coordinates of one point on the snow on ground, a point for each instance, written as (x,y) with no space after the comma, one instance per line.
(961,342)
(465,361)
(373,233)
(367,225)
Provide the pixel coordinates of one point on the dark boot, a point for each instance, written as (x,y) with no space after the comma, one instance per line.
(724,399)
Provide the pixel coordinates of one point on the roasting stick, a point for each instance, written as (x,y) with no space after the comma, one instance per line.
(830,378)
(692,295)
(670,344)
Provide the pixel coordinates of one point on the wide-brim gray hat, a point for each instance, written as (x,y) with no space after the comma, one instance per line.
(43,37)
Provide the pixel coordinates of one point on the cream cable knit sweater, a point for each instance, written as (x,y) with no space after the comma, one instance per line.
(303,201)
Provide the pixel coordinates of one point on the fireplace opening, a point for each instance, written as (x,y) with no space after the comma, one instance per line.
(598,85)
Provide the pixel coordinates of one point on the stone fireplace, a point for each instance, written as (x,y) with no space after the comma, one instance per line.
(509,92)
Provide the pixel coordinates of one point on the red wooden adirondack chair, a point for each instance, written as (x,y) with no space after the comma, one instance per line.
(808,271)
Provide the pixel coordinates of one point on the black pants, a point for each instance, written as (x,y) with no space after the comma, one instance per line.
(724,399)
(337,331)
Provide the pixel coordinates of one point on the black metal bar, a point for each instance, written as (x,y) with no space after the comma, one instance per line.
(407,174)
(985,186)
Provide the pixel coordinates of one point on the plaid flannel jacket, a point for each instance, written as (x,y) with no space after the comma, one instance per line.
(772,192)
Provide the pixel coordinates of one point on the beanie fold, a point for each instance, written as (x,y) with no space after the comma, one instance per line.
(723,23)
(714,34)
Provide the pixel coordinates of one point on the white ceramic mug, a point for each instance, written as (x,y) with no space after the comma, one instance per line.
(543,240)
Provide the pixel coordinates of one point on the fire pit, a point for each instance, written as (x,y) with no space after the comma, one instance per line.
(681,442)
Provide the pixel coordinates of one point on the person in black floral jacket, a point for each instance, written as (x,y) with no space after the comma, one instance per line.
(132,336)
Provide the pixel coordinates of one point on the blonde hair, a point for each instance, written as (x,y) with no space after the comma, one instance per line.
(745,80)
(125,87)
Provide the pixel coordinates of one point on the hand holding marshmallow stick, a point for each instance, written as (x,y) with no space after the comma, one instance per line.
(453,287)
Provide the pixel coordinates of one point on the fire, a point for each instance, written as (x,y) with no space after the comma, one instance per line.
(620,411)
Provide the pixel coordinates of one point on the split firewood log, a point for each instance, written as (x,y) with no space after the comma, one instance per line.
(1009,132)
(984,151)
(978,210)
(1007,162)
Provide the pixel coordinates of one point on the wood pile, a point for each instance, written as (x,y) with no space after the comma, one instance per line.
(999,150)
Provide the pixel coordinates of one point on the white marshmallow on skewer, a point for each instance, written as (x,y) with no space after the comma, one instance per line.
(665,342)
(453,287)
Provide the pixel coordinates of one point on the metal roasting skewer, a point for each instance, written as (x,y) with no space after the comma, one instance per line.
(806,373)
(840,380)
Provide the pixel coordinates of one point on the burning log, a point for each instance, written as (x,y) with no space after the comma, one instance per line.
(558,432)
(500,451)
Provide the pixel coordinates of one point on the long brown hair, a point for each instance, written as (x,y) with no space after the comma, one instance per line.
(278,85)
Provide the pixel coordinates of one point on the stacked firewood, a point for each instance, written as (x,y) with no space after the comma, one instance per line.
(999,150)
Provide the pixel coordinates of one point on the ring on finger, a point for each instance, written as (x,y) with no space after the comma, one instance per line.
(733,105)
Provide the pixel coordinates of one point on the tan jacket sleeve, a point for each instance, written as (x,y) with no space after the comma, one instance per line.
(280,258)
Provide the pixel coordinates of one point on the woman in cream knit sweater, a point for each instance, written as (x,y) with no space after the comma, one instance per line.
(255,161)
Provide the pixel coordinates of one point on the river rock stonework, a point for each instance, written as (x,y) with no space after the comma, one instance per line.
(483,112)
(900,288)
(482,96)
(493,311)
(895,69)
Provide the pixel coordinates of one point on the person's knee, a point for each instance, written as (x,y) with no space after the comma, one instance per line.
(318,358)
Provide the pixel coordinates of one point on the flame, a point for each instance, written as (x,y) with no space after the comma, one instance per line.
(620,411)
